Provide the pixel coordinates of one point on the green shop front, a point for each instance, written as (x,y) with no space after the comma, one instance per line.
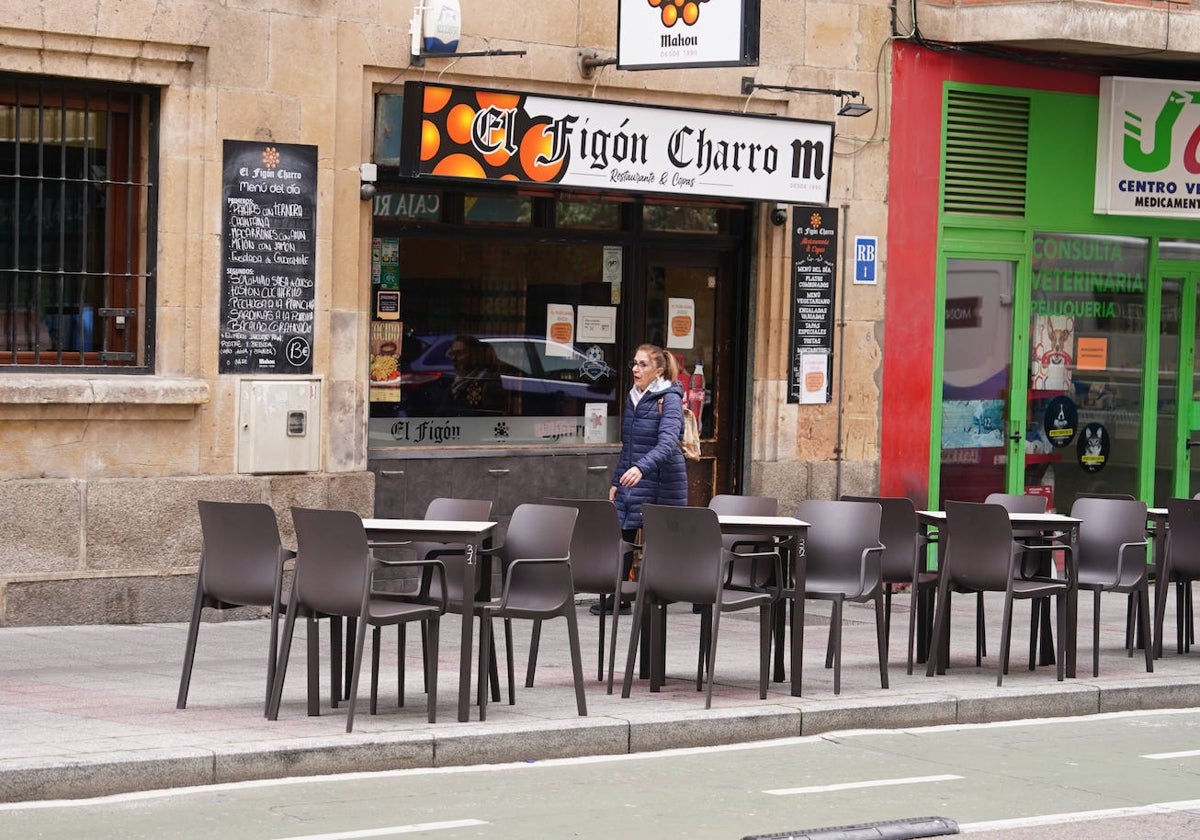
(1050,293)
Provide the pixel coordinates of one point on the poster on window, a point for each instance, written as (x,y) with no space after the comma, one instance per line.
(268,257)
(681,323)
(560,329)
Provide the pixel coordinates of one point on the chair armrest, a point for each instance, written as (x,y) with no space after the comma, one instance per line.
(515,565)
(728,558)
(422,595)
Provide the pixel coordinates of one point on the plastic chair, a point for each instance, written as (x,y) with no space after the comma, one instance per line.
(241,565)
(843,558)
(535,561)
(982,556)
(451,556)
(334,572)
(1112,551)
(748,573)
(684,560)
(902,559)
(597,563)
(1181,565)
(1022,503)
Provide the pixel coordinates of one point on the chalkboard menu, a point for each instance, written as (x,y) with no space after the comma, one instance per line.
(814,274)
(268,257)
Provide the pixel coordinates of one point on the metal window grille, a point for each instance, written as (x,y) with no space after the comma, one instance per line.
(77,237)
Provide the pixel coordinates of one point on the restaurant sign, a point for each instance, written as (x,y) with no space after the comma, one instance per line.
(473,133)
(664,34)
(1148,149)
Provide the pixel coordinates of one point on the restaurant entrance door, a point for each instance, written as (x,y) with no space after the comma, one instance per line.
(690,307)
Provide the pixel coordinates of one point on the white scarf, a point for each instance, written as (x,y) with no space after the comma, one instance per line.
(659,384)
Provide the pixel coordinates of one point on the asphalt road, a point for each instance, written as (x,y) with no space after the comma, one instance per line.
(1124,775)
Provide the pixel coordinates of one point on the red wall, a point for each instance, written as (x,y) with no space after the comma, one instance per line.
(918,75)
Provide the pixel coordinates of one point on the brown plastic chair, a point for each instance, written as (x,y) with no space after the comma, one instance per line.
(982,556)
(535,561)
(334,571)
(241,565)
(843,557)
(903,560)
(597,563)
(1112,552)
(1181,566)
(748,573)
(684,560)
(451,556)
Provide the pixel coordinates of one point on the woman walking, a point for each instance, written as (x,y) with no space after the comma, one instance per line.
(651,469)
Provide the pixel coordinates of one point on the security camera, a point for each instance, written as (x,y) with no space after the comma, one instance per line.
(367,191)
(779,215)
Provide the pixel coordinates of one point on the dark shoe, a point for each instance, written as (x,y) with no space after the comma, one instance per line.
(605,606)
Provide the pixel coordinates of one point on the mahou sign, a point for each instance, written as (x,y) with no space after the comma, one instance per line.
(472,133)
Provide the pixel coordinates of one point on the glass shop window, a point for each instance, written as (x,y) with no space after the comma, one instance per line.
(491,342)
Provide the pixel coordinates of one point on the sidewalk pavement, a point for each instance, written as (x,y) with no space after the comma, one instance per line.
(90,710)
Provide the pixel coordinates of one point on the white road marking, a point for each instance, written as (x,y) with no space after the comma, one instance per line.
(1170,755)
(394,829)
(1080,816)
(871,783)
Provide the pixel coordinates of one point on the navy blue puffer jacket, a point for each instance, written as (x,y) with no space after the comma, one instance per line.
(650,442)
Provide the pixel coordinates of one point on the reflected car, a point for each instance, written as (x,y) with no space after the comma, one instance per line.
(538,377)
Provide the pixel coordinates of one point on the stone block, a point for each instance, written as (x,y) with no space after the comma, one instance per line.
(105,600)
(39,531)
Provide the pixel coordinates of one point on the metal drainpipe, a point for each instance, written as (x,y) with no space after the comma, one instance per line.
(838,449)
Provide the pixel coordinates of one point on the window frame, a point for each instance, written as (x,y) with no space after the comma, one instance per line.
(124,269)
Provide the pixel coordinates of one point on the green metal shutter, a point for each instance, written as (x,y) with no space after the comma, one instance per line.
(987,149)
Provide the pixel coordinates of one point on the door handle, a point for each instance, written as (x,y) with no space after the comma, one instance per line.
(1015,437)
(1191,443)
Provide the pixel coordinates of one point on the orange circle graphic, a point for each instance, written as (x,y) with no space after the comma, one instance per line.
(459,166)
(431,140)
(536,143)
(669,15)
(435,99)
(691,12)
(458,124)
(502,101)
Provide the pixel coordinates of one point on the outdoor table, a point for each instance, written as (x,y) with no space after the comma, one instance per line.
(477,567)
(1048,524)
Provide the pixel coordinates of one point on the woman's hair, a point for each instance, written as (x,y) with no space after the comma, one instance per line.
(659,358)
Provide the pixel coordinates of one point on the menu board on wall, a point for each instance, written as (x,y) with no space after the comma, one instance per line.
(814,273)
(268,257)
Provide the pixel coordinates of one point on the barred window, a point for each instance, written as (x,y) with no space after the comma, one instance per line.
(77,210)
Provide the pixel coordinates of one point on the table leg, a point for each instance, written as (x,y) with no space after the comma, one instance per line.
(1072,631)
(797,571)
(468,634)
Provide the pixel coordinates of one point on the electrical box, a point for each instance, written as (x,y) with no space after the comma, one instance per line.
(279,426)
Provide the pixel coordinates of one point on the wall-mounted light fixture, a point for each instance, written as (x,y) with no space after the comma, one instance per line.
(367,173)
(849,108)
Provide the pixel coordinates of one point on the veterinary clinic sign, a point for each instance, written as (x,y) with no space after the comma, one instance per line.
(473,133)
(1148,151)
(664,34)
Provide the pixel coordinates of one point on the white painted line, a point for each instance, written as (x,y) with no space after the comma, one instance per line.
(395,829)
(911,780)
(1170,755)
(1079,816)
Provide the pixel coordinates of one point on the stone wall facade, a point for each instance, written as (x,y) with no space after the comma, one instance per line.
(101,473)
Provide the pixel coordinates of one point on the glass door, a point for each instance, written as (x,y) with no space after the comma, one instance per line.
(689,310)
(1177,463)
(981,430)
